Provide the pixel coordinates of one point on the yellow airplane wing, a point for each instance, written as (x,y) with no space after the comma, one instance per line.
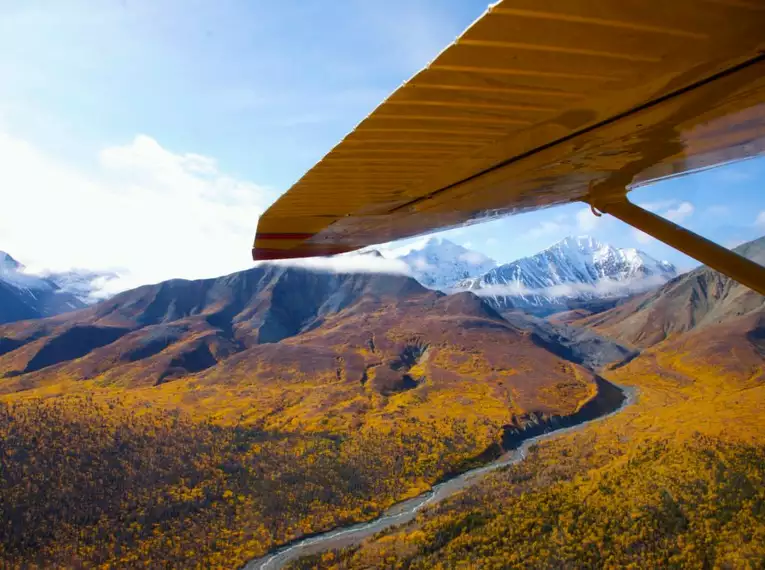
(538,103)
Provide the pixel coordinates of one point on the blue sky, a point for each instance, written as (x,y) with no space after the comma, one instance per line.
(148,135)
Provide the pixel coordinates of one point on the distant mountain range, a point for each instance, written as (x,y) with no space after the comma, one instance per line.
(84,284)
(337,366)
(273,319)
(572,272)
(359,370)
(692,301)
(440,263)
(25,296)
(577,274)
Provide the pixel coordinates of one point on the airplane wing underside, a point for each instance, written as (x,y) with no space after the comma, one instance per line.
(538,103)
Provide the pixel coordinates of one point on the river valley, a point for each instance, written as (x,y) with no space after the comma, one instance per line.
(405,511)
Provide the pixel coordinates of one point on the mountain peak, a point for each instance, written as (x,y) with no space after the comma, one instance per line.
(582,242)
(575,268)
(27,296)
(439,243)
(700,298)
(440,263)
(582,245)
(8,264)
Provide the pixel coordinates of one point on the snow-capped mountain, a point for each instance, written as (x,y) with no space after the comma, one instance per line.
(8,264)
(27,296)
(86,285)
(574,269)
(13,274)
(440,263)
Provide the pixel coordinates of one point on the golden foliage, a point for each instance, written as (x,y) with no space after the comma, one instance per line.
(215,468)
(694,506)
(85,483)
(675,480)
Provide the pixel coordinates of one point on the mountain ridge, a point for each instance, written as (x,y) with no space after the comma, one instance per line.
(25,296)
(690,301)
(571,271)
(440,263)
(276,318)
(292,401)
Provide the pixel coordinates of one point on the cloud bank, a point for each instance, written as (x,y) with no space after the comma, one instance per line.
(346,263)
(159,213)
(472,257)
(603,288)
(145,214)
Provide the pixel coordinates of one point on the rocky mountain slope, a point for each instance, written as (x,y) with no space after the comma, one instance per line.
(696,300)
(280,327)
(25,296)
(570,274)
(277,400)
(286,402)
(578,344)
(691,447)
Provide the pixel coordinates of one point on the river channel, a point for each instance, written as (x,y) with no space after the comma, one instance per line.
(405,511)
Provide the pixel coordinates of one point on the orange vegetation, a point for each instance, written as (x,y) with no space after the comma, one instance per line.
(183,425)
(86,482)
(109,458)
(673,481)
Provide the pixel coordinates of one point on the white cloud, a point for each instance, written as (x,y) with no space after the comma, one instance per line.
(641,237)
(680,212)
(160,214)
(546,228)
(421,264)
(672,210)
(603,287)
(760,221)
(492,241)
(657,205)
(586,221)
(473,258)
(349,263)
(397,249)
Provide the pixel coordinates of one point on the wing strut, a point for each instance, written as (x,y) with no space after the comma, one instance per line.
(733,265)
